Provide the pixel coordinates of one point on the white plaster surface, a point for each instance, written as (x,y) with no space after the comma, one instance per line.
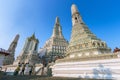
(99,69)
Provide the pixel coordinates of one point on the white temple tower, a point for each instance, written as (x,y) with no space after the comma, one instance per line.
(83,42)
(56,45)
(10,58)
(29,52)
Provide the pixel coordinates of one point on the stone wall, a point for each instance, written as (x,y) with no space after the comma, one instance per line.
(99,69)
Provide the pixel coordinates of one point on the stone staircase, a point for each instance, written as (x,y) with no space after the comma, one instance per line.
(44,71)
(35,77)
(39,71)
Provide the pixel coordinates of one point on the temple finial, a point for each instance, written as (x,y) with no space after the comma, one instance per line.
(16,38)
(74,9)
(57,21)
(57,31)
(33,35)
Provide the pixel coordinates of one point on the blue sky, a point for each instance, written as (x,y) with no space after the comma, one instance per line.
(25,17)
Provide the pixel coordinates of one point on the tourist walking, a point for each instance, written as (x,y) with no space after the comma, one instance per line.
(17,70)
(30,71)
(26,72)
(22,69)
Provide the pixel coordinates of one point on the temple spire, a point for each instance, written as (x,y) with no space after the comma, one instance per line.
(57,31)
(57,20)
(56,44)
(83,42)
(76,18)
(10,59)
(29,50)
(13,44)
(74,9)
(33,35)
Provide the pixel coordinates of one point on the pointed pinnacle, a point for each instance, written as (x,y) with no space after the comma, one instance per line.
(74,9)
(57,20)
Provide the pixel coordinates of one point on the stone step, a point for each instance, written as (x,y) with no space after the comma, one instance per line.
(35,77)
